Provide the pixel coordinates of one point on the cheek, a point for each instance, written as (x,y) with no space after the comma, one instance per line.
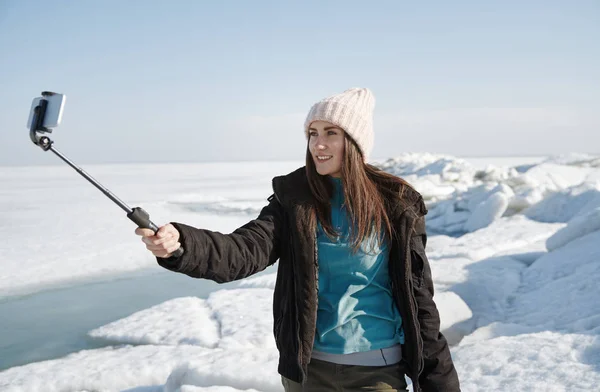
(340,148)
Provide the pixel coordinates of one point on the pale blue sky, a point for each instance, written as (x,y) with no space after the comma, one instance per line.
(160,81)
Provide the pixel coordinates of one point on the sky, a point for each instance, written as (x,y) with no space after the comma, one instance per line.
(197,81)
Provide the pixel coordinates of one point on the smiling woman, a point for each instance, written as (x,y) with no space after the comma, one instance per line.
(353,301)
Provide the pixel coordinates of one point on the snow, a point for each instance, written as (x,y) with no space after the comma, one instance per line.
(178,321)
(165,368)
(463,198)
(577,227)
(487,212)
(53,217)
(564,205)
(544,361)
(452,309)
(575,159)
(514,252)
(244,315)
(454,312)
(503,235)
(267,281)
(563,282)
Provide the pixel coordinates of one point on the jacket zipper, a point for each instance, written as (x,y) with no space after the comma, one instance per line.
(412,302)
(316,265)
(316,272)
(413,308)
(292,262)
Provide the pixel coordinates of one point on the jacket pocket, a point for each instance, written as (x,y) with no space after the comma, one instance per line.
(417,261)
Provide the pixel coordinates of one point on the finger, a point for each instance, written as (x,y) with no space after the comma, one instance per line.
(165,231)
(167,253)
(154,240)
(149,240)
(162,247)
(144,232)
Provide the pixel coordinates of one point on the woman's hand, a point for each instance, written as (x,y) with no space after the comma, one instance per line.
(163,243)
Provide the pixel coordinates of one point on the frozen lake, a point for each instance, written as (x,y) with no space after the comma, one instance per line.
(55,322)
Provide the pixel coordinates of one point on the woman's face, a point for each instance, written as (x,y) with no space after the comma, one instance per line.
(326,145)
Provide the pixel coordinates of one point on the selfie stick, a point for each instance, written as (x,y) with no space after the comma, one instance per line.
(136,214)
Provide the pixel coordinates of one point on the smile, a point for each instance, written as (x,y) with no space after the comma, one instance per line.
(324,158)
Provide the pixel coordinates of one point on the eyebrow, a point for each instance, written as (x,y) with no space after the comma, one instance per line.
(326,128)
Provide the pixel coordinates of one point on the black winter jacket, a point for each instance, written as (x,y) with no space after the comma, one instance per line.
(279,233)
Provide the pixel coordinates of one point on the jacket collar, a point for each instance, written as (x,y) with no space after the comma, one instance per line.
(293,188)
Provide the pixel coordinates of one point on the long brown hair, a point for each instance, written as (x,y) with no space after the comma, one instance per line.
(368,195)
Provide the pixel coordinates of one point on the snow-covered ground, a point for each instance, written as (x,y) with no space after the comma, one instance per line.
(514,251)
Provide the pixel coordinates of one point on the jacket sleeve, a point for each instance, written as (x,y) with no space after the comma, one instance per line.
(438,372)
(228,257)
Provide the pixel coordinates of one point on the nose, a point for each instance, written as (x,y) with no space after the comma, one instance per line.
(320,143)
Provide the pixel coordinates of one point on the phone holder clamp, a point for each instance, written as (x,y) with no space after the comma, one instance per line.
(39,114)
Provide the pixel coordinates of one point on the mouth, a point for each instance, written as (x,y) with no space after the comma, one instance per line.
(323,158)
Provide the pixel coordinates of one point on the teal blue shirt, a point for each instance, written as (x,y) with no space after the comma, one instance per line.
(356,310)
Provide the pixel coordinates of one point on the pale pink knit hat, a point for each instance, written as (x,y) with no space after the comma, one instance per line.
(352,111)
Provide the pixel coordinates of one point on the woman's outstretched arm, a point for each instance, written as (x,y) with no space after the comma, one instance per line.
(227,257)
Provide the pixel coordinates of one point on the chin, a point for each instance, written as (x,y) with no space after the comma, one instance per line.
(324,170)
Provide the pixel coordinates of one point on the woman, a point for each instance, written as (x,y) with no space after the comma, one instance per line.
(353,304)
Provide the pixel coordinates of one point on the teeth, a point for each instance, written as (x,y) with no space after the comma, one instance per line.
(323,158)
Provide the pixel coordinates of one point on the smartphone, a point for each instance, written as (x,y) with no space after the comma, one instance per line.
(54,109)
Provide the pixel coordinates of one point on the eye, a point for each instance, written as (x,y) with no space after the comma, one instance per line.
(312,133)
(331,133)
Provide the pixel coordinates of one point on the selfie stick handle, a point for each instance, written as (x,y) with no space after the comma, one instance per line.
(137,214)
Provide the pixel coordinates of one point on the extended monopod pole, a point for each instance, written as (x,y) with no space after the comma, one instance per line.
(136,214)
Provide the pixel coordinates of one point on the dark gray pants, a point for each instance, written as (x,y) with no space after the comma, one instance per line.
(328,377)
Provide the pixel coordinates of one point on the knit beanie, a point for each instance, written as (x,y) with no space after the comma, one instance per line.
(352,111)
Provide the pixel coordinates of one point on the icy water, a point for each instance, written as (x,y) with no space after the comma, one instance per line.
(54,323)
